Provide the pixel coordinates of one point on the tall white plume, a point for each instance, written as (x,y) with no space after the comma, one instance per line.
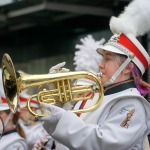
(135,19)
(86,56)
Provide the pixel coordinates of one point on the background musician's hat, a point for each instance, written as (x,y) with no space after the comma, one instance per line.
(86,58)
(3,104)
(24,98)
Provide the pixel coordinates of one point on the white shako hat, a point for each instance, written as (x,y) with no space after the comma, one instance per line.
(3,104)
(126,27)
(127,44)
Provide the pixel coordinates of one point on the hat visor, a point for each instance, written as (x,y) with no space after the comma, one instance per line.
(109,48)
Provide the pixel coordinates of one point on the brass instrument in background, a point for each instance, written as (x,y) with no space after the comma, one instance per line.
(14,83)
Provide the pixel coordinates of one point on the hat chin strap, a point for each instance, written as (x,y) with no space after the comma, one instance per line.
(115,75)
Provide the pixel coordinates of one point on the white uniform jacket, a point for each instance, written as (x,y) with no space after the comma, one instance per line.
(12,141)
(120,123)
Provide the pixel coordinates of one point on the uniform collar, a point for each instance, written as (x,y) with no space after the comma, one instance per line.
(10,131)
(118,87)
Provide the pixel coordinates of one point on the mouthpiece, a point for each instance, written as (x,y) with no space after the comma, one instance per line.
(100,74)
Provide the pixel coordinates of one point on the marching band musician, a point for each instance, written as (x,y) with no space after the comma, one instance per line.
(116,122)
(122,121)
(33,128)
(13,137)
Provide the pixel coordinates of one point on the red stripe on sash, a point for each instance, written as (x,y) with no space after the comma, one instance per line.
(83,104)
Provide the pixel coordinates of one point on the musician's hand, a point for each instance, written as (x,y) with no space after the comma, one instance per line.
(59,68)
(68,105)
(51,121)
(40,144)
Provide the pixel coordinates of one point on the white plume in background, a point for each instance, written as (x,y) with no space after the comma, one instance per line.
(86,57)
(135,19)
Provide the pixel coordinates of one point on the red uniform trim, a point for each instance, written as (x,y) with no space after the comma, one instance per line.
(83,104)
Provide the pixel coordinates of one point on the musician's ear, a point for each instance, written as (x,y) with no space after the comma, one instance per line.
(128,68)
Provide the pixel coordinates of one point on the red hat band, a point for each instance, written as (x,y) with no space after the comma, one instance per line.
(126,42)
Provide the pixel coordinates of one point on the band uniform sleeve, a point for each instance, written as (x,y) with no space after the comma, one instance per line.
(125,120)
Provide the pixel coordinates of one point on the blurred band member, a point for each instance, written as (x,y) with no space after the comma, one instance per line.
(33,128)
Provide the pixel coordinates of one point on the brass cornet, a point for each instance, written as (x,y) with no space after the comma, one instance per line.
(65,91)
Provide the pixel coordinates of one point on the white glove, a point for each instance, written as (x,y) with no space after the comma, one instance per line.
(59,68)
(51,121)
(68,105)
(40,144)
